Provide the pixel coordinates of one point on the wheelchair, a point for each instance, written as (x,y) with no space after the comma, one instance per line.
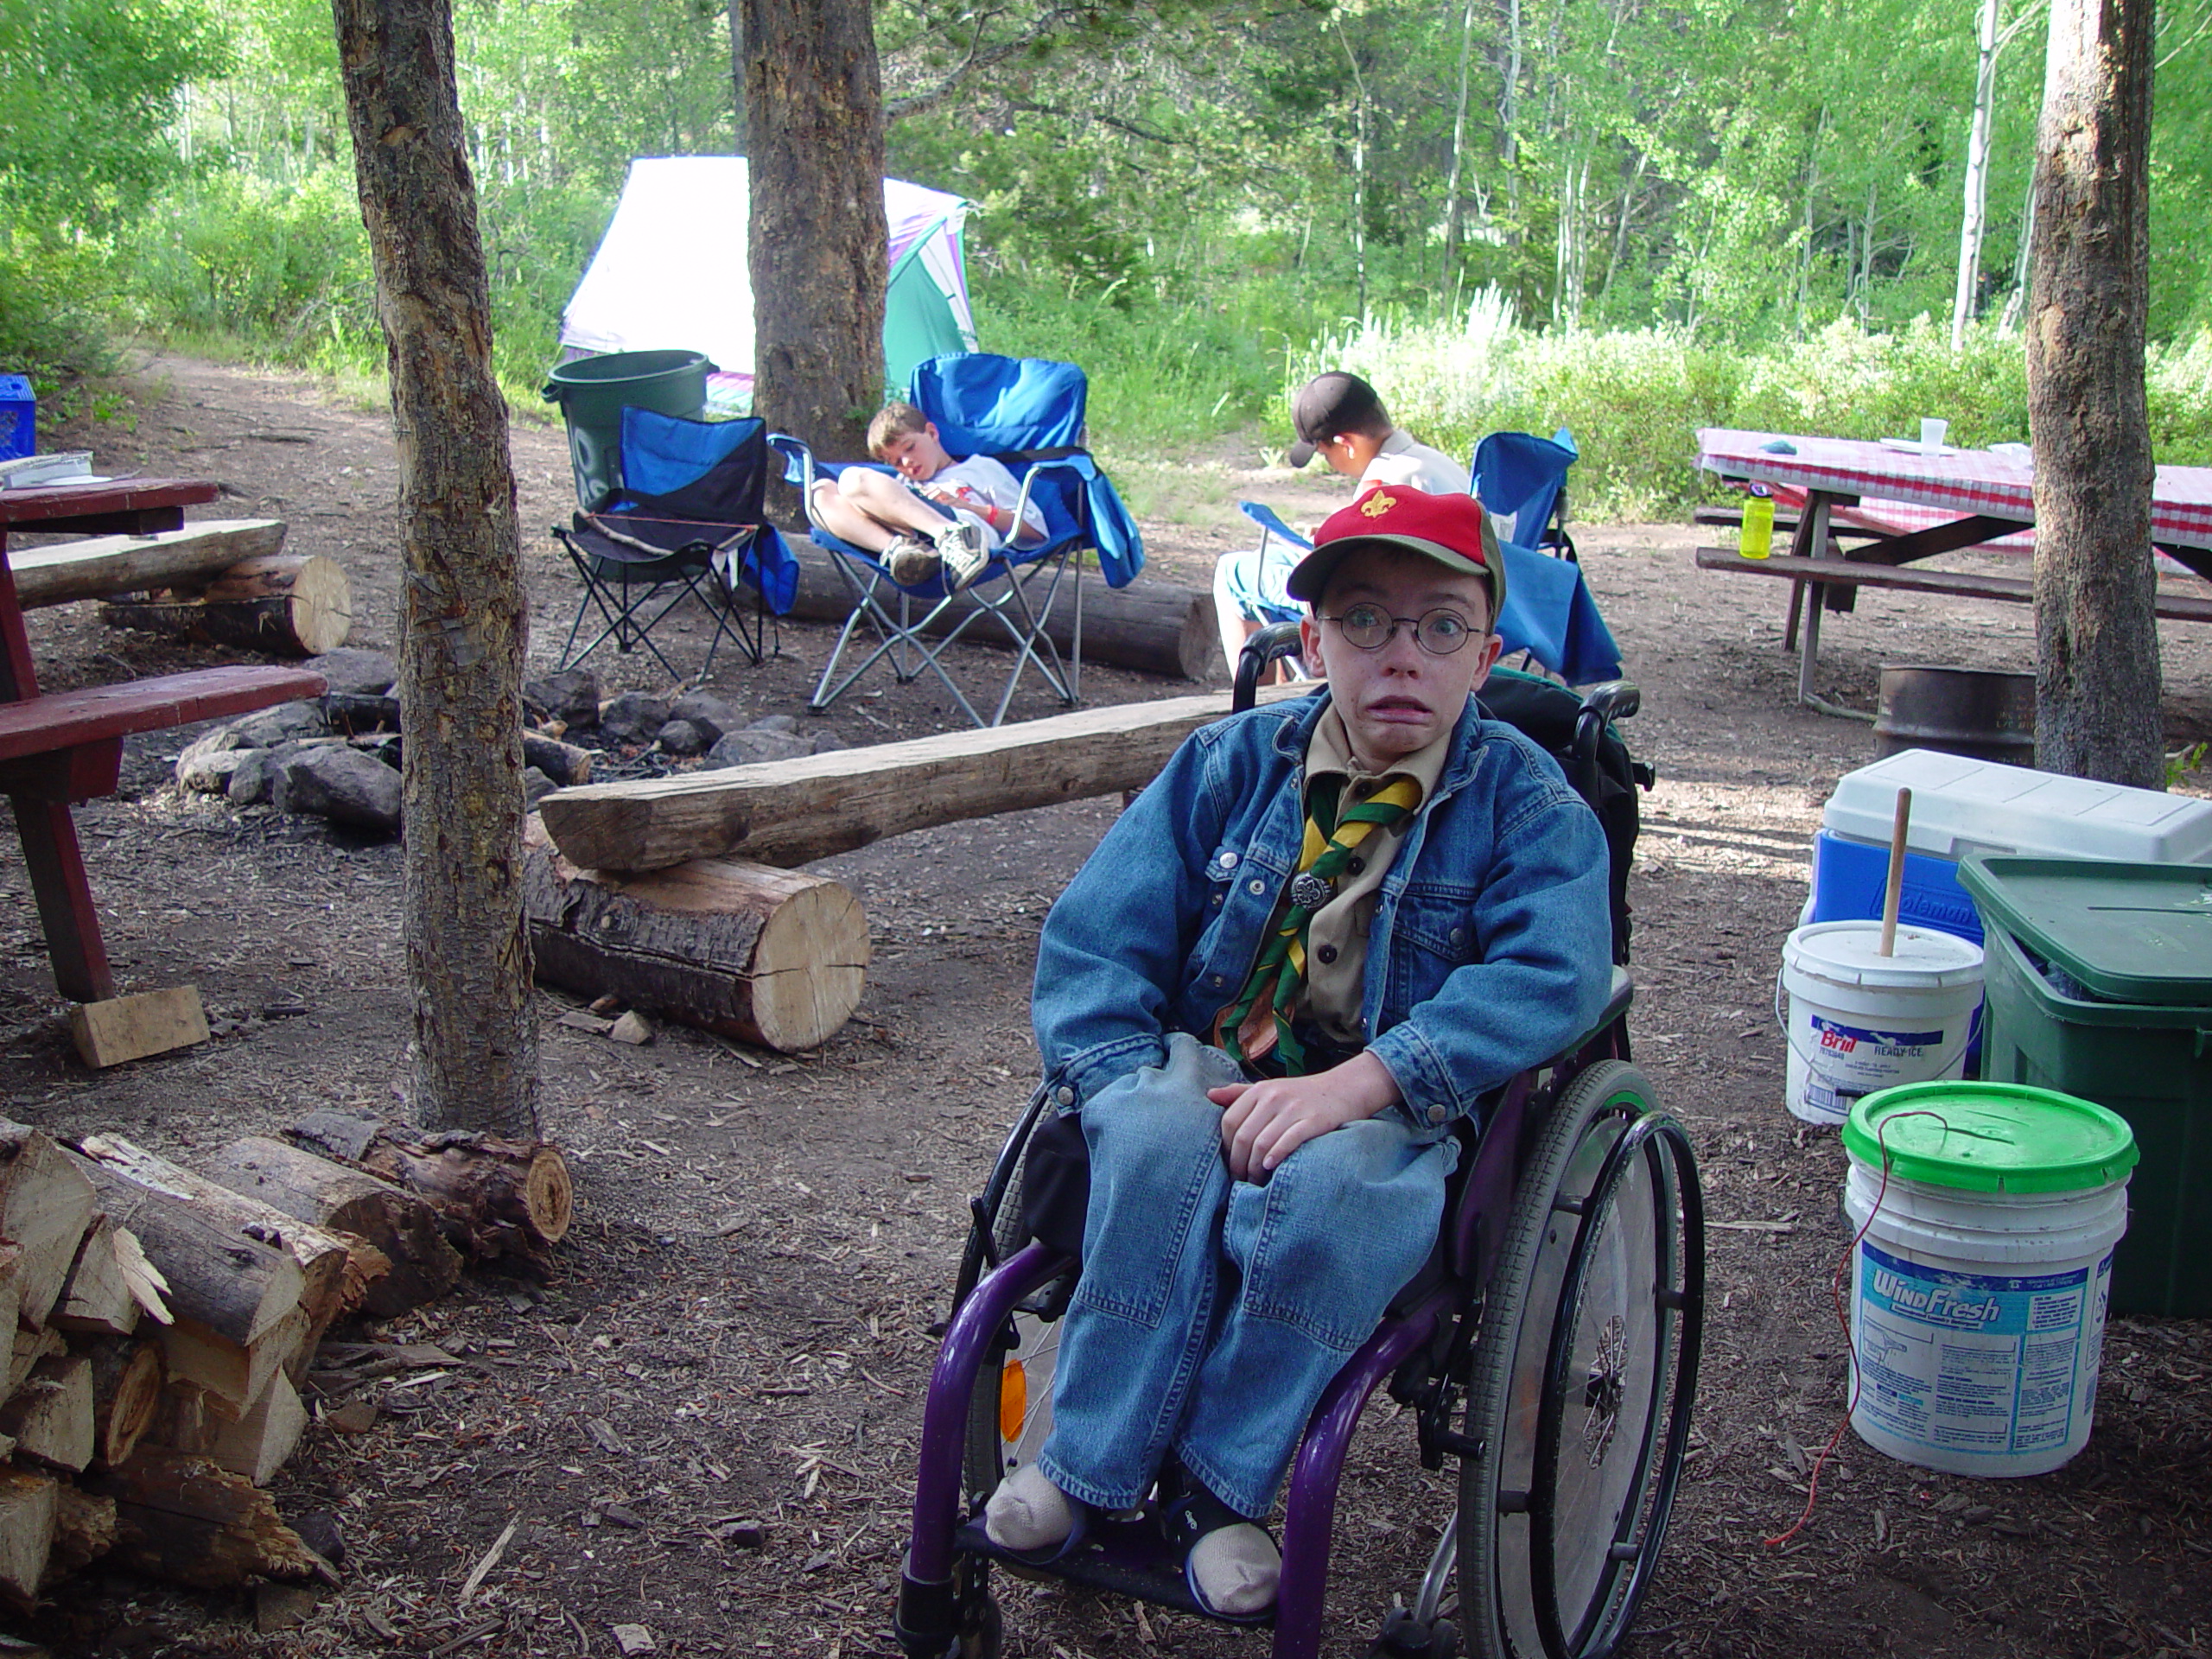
(1549,1346)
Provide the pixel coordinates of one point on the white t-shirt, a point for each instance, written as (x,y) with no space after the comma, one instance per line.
(988,483)
(1414,467)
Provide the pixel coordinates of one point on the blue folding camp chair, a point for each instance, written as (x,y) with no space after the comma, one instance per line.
(1521,480)
(686,520)
(1028,413)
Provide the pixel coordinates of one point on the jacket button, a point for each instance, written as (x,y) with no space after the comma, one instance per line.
(1436,1113)
(1356,866)
(1255,886)
(1064,1096)
(1228,860)
(1218,980)
(1327,953)
(1458,936)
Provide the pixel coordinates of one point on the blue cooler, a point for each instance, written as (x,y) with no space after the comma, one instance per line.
(18,418)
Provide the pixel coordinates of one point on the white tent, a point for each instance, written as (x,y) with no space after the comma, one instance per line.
(670,272)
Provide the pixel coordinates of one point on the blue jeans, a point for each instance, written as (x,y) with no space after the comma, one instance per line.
(1211,1312)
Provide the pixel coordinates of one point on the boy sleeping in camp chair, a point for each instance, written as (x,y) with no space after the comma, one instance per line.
(1326,930)
(939,517)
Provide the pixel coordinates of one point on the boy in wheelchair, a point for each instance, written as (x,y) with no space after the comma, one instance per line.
(1326,930)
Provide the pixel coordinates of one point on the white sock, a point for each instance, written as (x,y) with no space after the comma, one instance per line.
(1028,1512)
(1235,1569)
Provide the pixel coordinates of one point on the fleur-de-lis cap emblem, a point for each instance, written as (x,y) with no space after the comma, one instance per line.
(1378,503)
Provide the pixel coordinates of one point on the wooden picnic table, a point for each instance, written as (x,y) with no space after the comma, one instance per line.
(1902,506)
(59,748)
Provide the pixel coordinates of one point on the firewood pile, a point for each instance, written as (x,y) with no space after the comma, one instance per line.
(164,1319)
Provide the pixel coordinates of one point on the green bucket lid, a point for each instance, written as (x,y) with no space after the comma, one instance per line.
(2130,932)
(1990,1137)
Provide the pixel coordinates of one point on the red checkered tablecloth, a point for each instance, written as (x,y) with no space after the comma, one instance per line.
(1902,490)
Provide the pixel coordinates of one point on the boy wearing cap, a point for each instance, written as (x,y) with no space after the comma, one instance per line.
(1341,418)
(1326,930)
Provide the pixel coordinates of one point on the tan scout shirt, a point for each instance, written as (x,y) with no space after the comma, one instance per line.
(1336,956)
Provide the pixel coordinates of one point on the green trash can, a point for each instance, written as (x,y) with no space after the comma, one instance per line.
(593,391)
(2098,981)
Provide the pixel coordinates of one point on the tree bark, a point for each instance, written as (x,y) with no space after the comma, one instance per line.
(462,617)
(813,106)
(2096,641)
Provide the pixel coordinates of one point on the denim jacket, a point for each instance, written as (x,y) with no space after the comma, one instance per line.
(1491,947)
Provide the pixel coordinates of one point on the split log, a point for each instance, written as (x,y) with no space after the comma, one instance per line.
(258,1443)
(29,1507)
(97,1300)
(181,1420)
(291,605)
(493,1198)
(50,1415)
(30,1348)
(11,1289)
(340,1199)
(189,1520)
(127,1376)
(774,957)
(100,566)
(1155,627)
(789,812)
(84,1530)
(44,1207)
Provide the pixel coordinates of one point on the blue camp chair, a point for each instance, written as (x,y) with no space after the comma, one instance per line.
(1522,479)
(687,520)
(1028,413)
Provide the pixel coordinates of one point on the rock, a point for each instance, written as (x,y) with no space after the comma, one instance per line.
(711,714)
(354,711)
(632,1639)
(251,779)
(208,760)
(746,747)
(268,727)
(682,737)
(825,742)
(632,1028)
(788,723)
(321,1532)
(356,669)
(283,1606)
(632,717)
(341,784)
(535,786)
(571,695)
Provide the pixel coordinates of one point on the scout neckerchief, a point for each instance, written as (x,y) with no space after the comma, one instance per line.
(1258,1021)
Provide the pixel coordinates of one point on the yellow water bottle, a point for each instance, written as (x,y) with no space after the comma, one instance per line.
(1758,538)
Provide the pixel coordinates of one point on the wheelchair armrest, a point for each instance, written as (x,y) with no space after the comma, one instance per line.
(1261,653)
(1615,700)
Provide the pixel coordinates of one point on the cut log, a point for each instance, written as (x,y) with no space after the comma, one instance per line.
(118,1029)
(232,1374)
(564,763)
(46,1204)
(189,1520)
(100,565)
(258,1443)
(50,1414)
(127,1376)
(789,812)
(96,1298)
(84,1530)
(28,1505)
(11,1289)
(493,1198)
(332,1196)
(30,1348)
(295,605)
(1155,627)
(181,1420)
(774,957)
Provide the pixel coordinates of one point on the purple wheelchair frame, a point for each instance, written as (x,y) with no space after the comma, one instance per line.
(930,1600)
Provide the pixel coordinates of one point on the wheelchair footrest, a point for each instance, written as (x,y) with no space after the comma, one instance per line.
(1128,1558)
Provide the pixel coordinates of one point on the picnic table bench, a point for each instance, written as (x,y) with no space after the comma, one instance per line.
(62,747)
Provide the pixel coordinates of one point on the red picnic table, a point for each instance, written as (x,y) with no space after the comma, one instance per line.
(62,747)
(1910,506)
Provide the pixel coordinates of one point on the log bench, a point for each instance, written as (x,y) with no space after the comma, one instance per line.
(62,747)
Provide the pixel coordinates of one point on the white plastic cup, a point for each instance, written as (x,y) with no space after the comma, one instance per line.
(1932,436)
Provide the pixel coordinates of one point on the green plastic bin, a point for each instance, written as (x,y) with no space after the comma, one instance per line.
(2099,981)
(593,391)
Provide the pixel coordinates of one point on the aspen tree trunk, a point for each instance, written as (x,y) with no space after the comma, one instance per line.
(462,618)
(813,108)
(1453,206)
(2096,638)
(1972,223)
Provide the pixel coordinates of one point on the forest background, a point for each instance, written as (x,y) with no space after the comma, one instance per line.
(1627,217)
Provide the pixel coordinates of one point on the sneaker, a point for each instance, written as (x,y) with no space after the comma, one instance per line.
(911,562)
(961,545)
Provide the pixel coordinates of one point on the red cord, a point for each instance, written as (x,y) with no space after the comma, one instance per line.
(1843,1318)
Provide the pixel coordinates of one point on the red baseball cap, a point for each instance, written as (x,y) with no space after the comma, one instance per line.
(1453,529)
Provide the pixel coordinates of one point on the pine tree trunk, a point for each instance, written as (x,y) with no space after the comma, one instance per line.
(462,617)
(2096,637)
(814,116)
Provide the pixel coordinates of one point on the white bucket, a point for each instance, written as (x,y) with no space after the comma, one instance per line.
(1978,1313)
(1859,1022)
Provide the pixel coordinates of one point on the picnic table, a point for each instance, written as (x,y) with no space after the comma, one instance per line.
(1899,506)
(59,748)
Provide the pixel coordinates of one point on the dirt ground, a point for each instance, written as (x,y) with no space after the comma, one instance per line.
(737,1331)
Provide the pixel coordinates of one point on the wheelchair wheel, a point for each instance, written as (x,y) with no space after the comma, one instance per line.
(1584,1372)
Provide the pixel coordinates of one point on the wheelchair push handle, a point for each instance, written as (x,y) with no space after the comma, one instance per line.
(1262,651)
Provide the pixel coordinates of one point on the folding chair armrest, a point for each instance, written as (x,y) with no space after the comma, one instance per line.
(1264,515)
(799,460)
